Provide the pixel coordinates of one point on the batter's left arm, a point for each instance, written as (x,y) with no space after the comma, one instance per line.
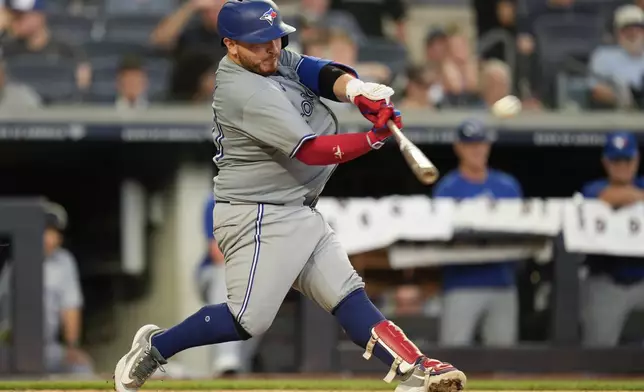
(336,82)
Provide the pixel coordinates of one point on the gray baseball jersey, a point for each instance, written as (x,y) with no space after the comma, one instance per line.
(260,122)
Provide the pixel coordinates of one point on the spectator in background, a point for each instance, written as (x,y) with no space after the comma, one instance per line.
(155,7)
(370,15)
(529,75)
(408,300)
(495,15)
(496,82)
(314,16)
(317,45)
(175,34)
(618,71)
(417,91)
(615,286)
(29,34)
(483,292)
(436,47)
(193,78)
(62,299)
(15,95)
(339,46)
(459,72)
(131,85)
(529,12)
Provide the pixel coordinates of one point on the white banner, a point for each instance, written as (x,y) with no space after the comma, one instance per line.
(592,226)
(365,224)
(589,226)
(530,216)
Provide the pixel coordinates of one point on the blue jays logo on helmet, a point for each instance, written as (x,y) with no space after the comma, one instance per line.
(269,16)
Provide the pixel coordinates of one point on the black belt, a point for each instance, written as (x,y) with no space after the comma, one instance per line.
(306,203)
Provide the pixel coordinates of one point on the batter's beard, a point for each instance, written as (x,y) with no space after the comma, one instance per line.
(256,67)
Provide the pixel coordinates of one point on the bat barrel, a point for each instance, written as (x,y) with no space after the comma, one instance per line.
(420,165)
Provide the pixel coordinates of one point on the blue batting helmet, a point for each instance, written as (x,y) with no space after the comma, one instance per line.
(252,21)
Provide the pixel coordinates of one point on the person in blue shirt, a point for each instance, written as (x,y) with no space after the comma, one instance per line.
(232,357)
(615,286)
(484,293)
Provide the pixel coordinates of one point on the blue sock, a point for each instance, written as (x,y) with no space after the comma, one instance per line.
(357,315)
(210,325)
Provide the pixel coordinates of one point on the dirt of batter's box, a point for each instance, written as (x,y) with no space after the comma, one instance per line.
(271,390)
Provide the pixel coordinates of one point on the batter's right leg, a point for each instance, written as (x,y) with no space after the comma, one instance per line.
(331,281)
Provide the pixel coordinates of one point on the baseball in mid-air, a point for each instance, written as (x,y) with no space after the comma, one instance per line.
(506,107)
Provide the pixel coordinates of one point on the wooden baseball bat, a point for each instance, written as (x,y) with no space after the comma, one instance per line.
(420,165)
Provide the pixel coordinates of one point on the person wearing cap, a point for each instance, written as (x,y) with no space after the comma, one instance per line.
(63,300)
(29,35)
(615,286)
(617,71)
(482,293)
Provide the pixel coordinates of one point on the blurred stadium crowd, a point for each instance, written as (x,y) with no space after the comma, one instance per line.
(553,54)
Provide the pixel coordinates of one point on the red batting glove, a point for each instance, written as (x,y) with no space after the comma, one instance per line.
(377,112)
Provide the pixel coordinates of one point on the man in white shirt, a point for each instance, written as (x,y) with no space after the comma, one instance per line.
(618,70)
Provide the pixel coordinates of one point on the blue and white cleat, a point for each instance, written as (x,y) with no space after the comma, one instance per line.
(140,363)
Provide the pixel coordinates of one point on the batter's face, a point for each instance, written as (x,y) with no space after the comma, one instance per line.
(621,171)
(261,58)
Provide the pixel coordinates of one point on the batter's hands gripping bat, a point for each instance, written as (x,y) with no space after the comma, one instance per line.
(422,167)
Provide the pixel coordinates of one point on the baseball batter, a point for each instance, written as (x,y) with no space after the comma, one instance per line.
(277,145)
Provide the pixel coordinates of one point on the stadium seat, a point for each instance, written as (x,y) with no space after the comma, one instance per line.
(384,51)
(563,36)
(112,48)
(159,71)
(140,7)
(70,28)
(132,28)
(54,81)
(55,6)
(103,88)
